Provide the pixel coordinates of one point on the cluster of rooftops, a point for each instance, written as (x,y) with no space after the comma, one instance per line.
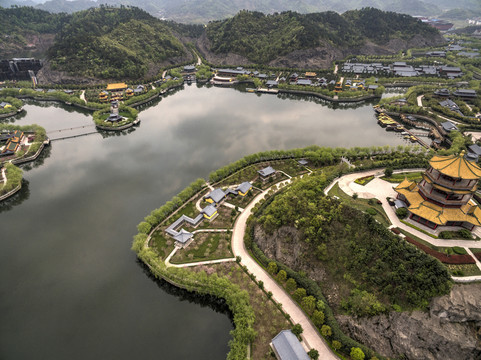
(12,142)
(400,68)
(183,237)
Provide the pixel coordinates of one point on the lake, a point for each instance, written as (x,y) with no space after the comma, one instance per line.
(70,285)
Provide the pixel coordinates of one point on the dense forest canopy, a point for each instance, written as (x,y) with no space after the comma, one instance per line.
(113,42)
(360,255)
(261,38)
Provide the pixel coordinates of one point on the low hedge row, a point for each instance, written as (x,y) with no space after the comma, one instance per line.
(444,258)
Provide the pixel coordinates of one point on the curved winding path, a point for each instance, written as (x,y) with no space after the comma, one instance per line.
(311,337)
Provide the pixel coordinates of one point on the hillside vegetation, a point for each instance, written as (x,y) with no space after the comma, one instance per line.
(113,43)
(369,267)
(261,38)
(21,26)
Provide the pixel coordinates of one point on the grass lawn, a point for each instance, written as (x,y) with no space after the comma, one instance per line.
(463,270)
(397,178)
(271,181)
(243,201)
(222,221)
(206,246)
(249,173)
(162,243)
(362,204)
(364,180)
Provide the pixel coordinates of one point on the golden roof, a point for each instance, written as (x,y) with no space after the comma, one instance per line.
(449,190)
(456,166)
(117,86)
(437,214)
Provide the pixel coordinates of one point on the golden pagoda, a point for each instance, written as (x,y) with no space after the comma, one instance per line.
(443,196)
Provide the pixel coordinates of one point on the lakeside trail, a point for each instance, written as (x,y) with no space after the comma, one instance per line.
(311,337)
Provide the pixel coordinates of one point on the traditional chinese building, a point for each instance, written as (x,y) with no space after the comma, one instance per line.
(443,196)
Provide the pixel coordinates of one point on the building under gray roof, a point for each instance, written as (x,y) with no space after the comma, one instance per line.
(475,149)
(209,210)
(442,92)
(449,126)
(451,105)
(304,82)
(465,93)
(303,162)
(216,195)
(468,54)
(183,236)
(268,171)
(244,187)
(271,83)
(286,346)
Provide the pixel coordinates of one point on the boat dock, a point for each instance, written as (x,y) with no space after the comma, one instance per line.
(392,125)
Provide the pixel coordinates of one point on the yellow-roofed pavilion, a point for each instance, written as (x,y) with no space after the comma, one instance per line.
(444,196)
(117,87)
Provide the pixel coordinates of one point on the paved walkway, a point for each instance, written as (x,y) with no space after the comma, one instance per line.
(82,96)
(420,100)
(311,337)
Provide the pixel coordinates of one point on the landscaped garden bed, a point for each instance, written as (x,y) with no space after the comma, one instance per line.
(206,246)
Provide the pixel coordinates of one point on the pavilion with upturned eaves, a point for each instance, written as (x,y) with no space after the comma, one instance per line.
(444,196)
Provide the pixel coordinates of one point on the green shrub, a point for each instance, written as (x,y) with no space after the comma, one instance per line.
(402,212)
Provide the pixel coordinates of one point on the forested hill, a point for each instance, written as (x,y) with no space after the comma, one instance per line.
(25,27)
(263,38)
(115,43)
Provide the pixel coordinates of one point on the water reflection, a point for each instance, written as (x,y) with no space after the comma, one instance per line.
(217,304)
(22,195)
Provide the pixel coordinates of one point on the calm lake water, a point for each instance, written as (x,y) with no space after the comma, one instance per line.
(70,285)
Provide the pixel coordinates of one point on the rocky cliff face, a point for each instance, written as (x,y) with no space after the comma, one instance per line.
(450,330)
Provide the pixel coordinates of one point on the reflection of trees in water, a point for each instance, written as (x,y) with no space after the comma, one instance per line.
(111,134)
(45,154)
(328,104)
(17,199)
(215,303)
(59,105)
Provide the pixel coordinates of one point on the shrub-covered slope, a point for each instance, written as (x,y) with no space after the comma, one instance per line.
(368,267)
(262,38)
(113,43)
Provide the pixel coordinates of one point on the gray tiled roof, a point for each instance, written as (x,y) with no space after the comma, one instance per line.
(216,195)
(304,82)
(449,126)
(302,162)
(183,236)
(266,171)
(209,210)
(287,346)
(244,187)
(475,149)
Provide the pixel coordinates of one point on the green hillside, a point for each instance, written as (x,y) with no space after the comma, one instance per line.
(20,26)
(113,43)
(262,38)
(366,264)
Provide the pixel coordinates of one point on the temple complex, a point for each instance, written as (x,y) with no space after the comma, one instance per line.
(444,196)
